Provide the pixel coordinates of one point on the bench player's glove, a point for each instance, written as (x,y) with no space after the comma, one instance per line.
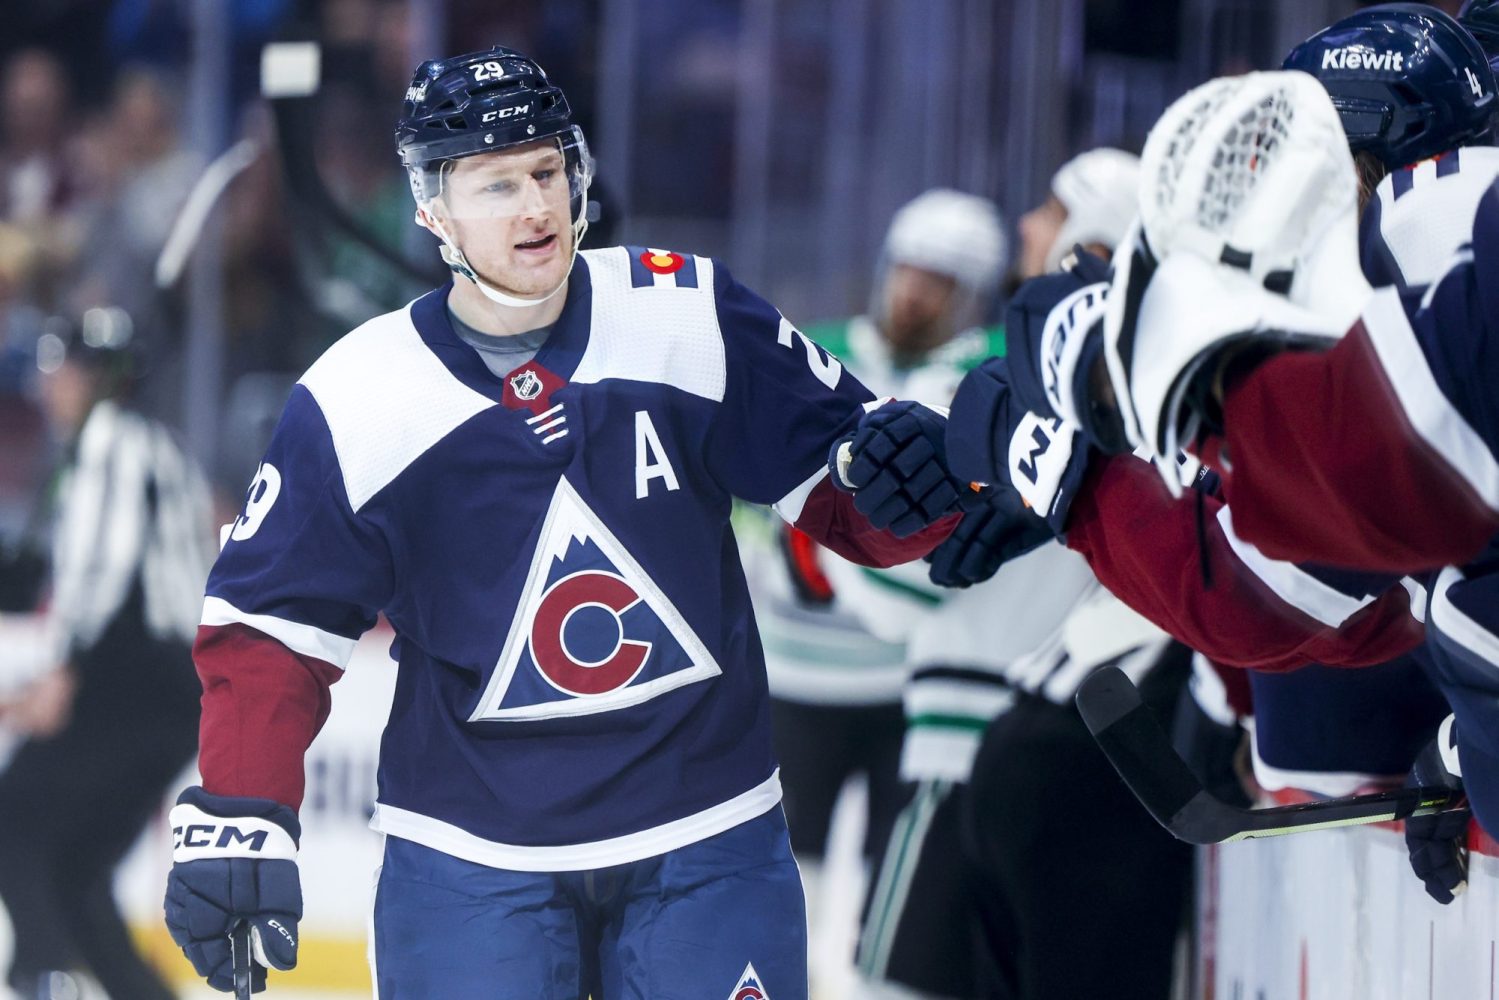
(1438,844)
(895,464)
(985,539)
(993,438)
(233,861)
(1054,327)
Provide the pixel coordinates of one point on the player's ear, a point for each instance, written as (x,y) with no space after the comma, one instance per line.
(429,218)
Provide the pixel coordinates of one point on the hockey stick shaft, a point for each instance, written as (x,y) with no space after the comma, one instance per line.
(239,949)
(1133,740)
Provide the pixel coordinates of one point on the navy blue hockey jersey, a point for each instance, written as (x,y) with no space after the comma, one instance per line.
(580,680)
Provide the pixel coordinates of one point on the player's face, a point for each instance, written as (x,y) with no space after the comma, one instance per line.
(918,308)
(508,211)
(1038,231)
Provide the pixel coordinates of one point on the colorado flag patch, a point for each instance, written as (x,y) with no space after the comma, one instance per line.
(593,632)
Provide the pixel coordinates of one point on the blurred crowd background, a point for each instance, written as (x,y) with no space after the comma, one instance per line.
(142,169)
(776,134)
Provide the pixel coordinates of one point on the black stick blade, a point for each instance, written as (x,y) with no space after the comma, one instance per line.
(1129,735)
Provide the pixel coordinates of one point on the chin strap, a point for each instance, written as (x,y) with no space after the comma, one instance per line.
(453,257)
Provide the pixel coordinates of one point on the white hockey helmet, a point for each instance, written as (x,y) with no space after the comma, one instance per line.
(952,233)
(1100,190)
(1248,230)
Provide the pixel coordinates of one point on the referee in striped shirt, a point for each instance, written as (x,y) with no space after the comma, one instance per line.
(110,728)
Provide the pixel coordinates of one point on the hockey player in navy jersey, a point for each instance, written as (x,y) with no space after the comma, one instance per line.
(1381,441)
(529,472)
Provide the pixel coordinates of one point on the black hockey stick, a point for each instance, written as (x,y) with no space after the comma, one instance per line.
(1141,752)
(239,951)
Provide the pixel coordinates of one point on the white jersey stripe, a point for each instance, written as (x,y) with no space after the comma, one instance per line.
(1457,626)
(459,843)
(1300,590)
(295,636)
(1429,411)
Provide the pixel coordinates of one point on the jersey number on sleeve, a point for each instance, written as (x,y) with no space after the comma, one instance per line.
(264,490)
(827,369)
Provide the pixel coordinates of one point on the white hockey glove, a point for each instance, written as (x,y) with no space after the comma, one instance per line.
(1247,237)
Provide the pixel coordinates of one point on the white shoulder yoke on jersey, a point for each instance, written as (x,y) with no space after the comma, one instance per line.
(386,399)
(1425,211)
(667,334)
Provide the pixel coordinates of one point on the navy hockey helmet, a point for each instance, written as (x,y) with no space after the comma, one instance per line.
(1408,81)
(1481,18)
(480,102)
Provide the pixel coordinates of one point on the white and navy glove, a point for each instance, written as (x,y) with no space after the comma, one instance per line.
(234,860)
(1235,256)
(895,464)
(1035,463)
(1437,844)
(1054,334)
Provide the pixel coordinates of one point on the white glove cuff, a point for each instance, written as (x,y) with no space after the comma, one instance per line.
(197,834)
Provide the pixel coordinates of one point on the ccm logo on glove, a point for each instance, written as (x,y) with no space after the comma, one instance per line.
(198,834)
(203,835)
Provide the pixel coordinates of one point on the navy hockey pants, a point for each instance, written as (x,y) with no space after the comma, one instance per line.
(720,918)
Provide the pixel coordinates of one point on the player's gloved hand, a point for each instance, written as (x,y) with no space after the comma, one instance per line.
(233,860)
(985,539)
(993,438)
(895,464)
(1054,328)
(1438,844)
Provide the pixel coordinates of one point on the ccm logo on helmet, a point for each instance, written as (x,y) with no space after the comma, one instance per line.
(202,835)
(1357,57)
(491,116)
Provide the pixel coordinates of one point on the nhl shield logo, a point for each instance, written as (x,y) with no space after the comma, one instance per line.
(527,385)
(749,987)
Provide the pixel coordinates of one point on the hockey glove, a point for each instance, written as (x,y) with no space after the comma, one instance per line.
(1054,326)
(1438,844)
(233,861)
(895,464)
(986,539)
(991,437)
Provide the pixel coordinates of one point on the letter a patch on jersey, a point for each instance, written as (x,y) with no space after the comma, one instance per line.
(593,632)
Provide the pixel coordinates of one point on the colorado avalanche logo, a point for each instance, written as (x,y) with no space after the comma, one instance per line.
(571,670)
(527,385)
(593,632)
(749,987)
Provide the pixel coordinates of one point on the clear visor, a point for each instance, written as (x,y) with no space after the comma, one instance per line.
(544,180)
